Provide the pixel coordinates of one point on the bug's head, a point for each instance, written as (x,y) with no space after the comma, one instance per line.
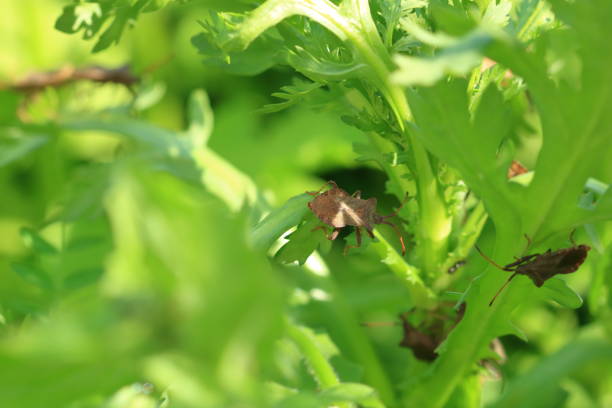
(377,218)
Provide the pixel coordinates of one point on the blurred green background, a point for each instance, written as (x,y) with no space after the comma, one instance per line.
(125,286)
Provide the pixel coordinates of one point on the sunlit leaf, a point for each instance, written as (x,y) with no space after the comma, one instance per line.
(304,240)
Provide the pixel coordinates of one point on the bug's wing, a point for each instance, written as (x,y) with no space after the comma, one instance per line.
(350,213)
(571,259)
(539,273)
(334,213)
(338,219)
(550,264)
(423,345)
(326,208)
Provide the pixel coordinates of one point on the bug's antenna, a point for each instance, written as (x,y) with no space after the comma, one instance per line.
(397,210)
(529,242)
(329,183)
(489,260)
(502,288)
(571,237)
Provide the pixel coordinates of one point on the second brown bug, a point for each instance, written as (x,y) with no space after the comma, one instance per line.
(338,209)
(541,267)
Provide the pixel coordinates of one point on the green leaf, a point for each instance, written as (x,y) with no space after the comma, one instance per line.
(542,383)
(304,241)
(452,19)
(572,148)
(409,5)
(79,16)
(391,12)
(9,105)
(557,289)
(367,152)
(350,392)
(219,29)
(316,350)
(82,278)
(279,221)
(603,206)
(303,399)
(369,123)
(90,17)
(445,128)
(83,197)
(224,180)
(322,69)
(458,59)
(36,243)
(528,17)
(168,151)
(176,154)
(16,143)
(468,393)
(201,119)
(292,95)
(33,275)
(497,13)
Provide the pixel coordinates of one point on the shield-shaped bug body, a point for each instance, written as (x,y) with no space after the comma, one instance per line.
(338,209)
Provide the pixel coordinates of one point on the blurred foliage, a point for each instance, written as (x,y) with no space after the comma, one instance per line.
(156,249)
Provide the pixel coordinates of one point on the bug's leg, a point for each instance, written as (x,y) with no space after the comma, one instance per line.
(357,237)
(520,261)
(571,237)
(489,260)
(397,210)
(397,231)
(502,288)
(370,233)
(529,242)
(357,194)
(332,236)
(329,183)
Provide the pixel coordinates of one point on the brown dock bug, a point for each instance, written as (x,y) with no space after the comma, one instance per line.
(541,267)
(336,208)
(425,338)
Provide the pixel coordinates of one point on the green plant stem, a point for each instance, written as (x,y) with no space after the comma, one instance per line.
(470,338)
(343,326)
(354,25)
(434,223)
(357,347)
(408,274)
(470,232)
(321,369)
(530,22)
(272,12)
(393,172)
